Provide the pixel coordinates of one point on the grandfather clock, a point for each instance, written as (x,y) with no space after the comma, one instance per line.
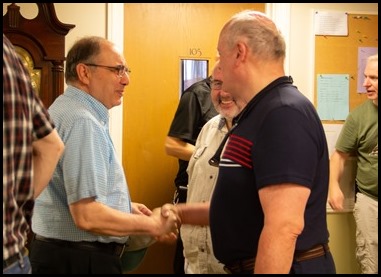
(41,44)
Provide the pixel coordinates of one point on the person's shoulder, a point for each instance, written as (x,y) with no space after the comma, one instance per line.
(69,106)
(200,86)
(203,82)
(214,122)
(362,107)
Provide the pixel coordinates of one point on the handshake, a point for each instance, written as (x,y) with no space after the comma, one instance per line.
(170,217)
(165,221)
(169,223)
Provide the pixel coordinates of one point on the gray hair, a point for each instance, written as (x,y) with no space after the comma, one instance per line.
(258,31)
(373,58)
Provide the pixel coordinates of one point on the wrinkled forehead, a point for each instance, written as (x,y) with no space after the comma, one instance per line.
(371,68)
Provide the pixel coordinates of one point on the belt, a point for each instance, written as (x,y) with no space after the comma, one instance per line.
(112,248)
(315,252)
(247,265)
(11,260)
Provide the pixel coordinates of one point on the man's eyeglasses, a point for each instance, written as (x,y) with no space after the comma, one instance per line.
(120,70)
(216,84)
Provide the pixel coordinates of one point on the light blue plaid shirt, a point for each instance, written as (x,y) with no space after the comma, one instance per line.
(89,167)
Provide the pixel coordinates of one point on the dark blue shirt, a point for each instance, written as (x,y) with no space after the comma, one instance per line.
(279,138)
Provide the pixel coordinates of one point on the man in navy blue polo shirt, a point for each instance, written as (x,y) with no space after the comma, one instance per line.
(267,213)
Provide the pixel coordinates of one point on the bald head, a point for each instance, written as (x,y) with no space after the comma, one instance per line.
(258,31)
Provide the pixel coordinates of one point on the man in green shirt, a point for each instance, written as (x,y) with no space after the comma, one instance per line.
(359,137)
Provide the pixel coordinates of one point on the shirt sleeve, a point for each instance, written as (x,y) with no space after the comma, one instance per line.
(347,139)
(187,116)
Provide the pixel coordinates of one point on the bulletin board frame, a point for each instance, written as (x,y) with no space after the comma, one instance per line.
(339,54)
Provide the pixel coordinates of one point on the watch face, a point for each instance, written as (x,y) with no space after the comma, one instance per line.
(35,74)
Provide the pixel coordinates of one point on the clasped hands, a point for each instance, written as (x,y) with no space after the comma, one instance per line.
(170,223)
(166,220)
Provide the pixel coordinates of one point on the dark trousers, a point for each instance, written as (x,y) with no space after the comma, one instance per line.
(48,258)
(321,265)
(178,260)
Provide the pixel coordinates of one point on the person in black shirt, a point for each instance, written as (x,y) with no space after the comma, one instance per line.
(194,110)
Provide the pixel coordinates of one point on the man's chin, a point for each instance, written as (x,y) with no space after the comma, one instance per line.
(372,95)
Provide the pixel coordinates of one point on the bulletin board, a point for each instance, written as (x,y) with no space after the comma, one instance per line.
(339,54)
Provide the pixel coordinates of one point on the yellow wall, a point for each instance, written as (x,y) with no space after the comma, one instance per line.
(156,37)
(342,242)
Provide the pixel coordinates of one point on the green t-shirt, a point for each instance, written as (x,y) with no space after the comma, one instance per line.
(359,136)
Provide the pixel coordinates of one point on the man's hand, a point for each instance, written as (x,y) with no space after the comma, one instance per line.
(138,208)
(336,198)
(167,220)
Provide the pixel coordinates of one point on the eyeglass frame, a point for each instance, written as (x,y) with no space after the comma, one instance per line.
(119,69)
(216,84)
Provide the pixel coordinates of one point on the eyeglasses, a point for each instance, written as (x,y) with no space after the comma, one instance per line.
(120,70)
(216,84)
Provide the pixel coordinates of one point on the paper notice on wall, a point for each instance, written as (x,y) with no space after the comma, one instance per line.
(333,96)
(331,23)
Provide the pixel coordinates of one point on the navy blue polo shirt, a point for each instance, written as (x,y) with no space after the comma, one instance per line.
(279,138)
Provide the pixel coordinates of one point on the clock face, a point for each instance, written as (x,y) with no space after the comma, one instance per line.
(35,74)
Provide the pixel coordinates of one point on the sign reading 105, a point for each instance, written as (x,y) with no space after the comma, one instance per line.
(195,52)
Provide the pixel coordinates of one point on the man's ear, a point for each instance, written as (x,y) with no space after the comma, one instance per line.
(242,51)
(83,72)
